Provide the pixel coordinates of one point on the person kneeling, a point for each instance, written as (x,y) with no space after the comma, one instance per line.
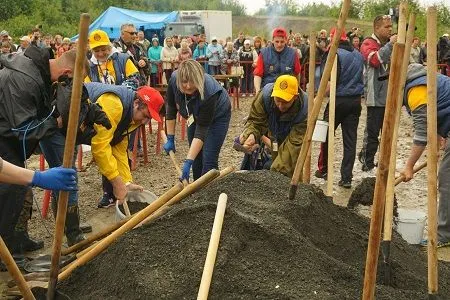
(278,118)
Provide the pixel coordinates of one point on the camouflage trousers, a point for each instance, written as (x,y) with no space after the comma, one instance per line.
(25,214)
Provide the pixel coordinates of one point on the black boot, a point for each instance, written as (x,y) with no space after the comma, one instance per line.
(16,249)
(72,229)
(28,244)
(73,232)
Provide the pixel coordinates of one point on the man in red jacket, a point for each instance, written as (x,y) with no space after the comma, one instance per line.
(376,50)
(276,60)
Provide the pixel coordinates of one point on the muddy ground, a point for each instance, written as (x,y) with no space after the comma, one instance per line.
(159,174)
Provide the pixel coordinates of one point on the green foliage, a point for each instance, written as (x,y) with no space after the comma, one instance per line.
(62,16)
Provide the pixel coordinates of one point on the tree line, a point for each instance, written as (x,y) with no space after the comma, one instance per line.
(62,16)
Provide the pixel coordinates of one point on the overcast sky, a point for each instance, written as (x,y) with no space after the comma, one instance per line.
(254,5)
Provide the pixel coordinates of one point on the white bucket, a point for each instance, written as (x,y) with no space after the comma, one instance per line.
(320,131)
(410,225)
(135,196)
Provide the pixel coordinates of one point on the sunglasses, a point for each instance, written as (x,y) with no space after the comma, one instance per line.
(132,32)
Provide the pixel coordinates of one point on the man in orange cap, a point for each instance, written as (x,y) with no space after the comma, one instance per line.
(280,113)
(276,60)
(127,111)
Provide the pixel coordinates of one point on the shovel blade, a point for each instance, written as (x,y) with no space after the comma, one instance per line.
(387,268)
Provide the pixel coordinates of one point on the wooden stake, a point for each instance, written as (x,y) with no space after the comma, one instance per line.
(390,189)
(331,121)
(318,102)
(14,271)
(382,173)
(311,87)
(69,147)
(432,154)
(212,249)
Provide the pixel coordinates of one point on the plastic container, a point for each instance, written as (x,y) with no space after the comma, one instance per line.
(320,131)
(135,196)
(410,225)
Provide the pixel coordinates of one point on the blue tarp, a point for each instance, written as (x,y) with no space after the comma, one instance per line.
(111,19)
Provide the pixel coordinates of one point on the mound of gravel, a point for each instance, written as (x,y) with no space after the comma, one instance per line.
(270,248)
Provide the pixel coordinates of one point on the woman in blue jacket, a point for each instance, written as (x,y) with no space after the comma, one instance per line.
(200,99)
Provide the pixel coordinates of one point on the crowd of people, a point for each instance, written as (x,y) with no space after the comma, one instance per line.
(120,94)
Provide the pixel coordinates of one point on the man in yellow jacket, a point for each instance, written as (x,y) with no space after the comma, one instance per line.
(127,111)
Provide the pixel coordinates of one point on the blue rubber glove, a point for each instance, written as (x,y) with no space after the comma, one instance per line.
(170,145)
(186,170)
(55,179)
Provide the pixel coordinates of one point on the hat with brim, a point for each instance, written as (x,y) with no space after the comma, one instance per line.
(153,99)
(285,88)
(25,38)
(98,38)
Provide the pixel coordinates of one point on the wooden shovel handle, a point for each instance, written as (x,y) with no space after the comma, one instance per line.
(172,157)
(392,181)
(14,271)
(126,208)
(94,237)
(318,102)
(432,150)
(69,147)
(212,249)
(416,169)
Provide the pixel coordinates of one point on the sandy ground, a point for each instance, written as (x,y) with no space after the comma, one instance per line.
(159,174)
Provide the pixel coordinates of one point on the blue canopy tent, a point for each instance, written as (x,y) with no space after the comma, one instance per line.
(112,18)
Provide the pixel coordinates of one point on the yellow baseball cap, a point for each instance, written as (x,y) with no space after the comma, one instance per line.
(285,87)
(98,38)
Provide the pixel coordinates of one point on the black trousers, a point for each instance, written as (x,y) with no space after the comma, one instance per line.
(374,124)
(11,195)
(348,110)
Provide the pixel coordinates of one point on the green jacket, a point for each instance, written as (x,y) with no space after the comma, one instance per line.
(285,158)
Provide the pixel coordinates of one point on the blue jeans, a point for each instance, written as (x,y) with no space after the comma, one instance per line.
(214,70)
(208,158)
(53,149)
(317,78)
(247,81)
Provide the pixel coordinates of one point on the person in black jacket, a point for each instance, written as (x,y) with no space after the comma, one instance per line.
(26,116)
(349,88)
(200,99)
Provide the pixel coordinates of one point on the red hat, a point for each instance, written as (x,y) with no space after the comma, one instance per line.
(343,34)
(279,31)
(153,99)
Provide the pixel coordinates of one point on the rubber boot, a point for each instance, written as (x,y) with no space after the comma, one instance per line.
(16,249)
(74,234)
(28,244)
(21,229)
(72,229)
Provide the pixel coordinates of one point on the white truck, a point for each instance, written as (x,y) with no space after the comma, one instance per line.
(213,23)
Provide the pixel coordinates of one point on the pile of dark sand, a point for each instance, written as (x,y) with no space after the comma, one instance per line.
(363,195)
(270,248)
(133,206)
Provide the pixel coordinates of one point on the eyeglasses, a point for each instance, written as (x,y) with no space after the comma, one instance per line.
(132,32)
